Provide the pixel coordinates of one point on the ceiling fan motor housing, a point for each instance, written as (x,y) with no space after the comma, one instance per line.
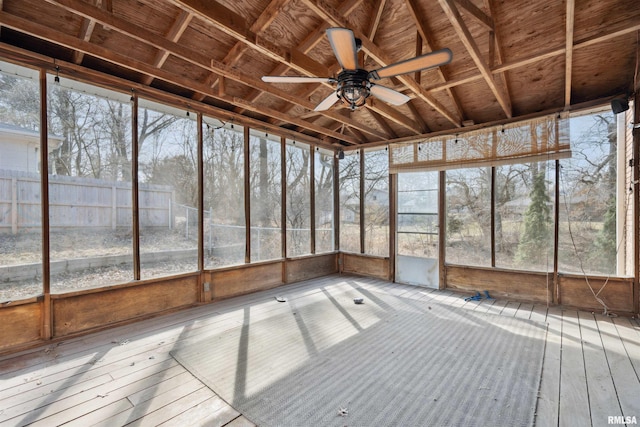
(353,87)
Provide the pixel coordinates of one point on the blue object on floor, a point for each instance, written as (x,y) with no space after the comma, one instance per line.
(487,295)
(476,297)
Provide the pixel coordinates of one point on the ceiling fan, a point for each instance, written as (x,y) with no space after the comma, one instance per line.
(354,84)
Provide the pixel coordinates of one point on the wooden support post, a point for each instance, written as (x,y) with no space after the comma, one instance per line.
(555,286)
(247,197)
(393,224)
(312,196)
(336,203)
(135,205)
(47,320)
(493,214)
(636,201)
(442,227)
(362,204)
(283,207)
(200,202)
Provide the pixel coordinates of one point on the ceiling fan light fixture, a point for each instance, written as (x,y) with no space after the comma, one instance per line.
(353,88)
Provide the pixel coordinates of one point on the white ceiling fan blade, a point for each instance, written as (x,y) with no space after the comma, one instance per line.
(343,43)
(327,102)
(422,62)
(390,96)
(297,79)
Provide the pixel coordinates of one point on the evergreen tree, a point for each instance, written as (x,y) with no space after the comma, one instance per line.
(535,241)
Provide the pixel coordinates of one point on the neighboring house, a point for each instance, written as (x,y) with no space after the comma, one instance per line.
(20,148)
(375,199)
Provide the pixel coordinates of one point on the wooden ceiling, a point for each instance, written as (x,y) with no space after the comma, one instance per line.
(511,58)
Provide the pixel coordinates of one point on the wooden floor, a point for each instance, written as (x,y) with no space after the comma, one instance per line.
(126,376)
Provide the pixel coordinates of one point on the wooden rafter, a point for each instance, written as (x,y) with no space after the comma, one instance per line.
(460,27)
(621,30)
(175,32)
(86,30)
(570,18)
(329,14)
(197,58)
(478,14)
(495,52)
(72,42)
(383,124)
(262,23)
(427,37)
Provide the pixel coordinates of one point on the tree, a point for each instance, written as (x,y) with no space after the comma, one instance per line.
(534,244)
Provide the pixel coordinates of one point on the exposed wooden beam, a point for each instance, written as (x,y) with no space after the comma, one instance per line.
(460,27)
(393,114)
(570,19)
(621,30)
(383,124)
(235,26)
(476,13)
(418,117)
(86,30)
(262,23)
(427,37)
(309,42)
(72,42)
(495,54)
(175,32)
(329,14)
(196,58)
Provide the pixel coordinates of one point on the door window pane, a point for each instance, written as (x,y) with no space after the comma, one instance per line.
(418,214)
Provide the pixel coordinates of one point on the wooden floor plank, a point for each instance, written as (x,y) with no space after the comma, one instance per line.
(213,412)
(624,376)
(603,401)
(549,395)
(126,374)
(574,407)
(630,340)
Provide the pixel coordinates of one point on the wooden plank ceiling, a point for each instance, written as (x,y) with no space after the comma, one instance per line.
(510,58)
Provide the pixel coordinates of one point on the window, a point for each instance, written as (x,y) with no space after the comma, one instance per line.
(20,203)
(324,200)
(298,186)
(349,188)
(89,186)
(588,197)
(468,222)
(524,199)
(168,190)
(224,215)
(266,196)
(376,202)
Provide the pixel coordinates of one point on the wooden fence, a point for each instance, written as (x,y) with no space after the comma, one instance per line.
(79,202)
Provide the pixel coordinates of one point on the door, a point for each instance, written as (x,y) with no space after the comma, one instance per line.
(417,229)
